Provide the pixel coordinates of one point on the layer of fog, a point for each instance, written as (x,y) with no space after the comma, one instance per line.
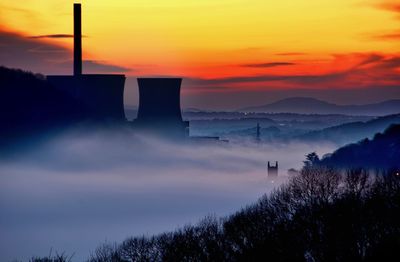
(80,190)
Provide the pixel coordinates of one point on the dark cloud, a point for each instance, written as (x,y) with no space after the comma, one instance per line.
(388,37)
(390,63)
(52,36)
(375,63)
(94,66)
(47,49)
(18,51)
(371,58)
(35,54)
(100,66)
(291,54)
(304,79)
(266,65)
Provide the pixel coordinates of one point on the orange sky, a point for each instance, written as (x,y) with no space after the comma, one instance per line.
(234,44)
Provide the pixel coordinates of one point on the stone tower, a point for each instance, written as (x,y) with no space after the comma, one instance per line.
(272,170)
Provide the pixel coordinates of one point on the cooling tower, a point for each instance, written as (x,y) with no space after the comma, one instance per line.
(159,107)
(101,95)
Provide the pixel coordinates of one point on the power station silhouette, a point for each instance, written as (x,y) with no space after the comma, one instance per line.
(102,94)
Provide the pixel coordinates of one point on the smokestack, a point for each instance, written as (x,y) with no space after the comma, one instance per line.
(77,40)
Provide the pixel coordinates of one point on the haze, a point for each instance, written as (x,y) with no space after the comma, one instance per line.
(80,190)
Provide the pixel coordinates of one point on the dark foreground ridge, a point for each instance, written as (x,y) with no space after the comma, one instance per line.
(319,215)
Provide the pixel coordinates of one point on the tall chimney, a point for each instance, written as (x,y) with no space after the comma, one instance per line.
(77,40)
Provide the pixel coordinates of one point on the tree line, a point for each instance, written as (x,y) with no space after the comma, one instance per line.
(321,214)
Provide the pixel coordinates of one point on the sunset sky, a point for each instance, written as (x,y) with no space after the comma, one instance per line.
(232,53)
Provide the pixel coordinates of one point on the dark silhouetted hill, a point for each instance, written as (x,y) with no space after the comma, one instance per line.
(30,105)
(350,132)
(381,152)
(307,105)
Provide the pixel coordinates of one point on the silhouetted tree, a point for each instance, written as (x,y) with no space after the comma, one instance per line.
(139,249)
(312,159)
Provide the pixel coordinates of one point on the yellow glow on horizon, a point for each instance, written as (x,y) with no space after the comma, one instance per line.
(180,36)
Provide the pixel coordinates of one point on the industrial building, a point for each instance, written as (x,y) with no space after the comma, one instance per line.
(102,95)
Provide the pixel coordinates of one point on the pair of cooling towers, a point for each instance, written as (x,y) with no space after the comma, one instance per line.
(103,94)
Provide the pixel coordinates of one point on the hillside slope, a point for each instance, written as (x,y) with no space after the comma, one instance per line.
(349,132)
(383,151)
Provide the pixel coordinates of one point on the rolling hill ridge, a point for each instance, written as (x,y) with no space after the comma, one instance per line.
(307,105)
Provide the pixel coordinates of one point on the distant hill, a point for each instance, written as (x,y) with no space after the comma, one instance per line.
(307,105)
(383,151)
(350,132)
